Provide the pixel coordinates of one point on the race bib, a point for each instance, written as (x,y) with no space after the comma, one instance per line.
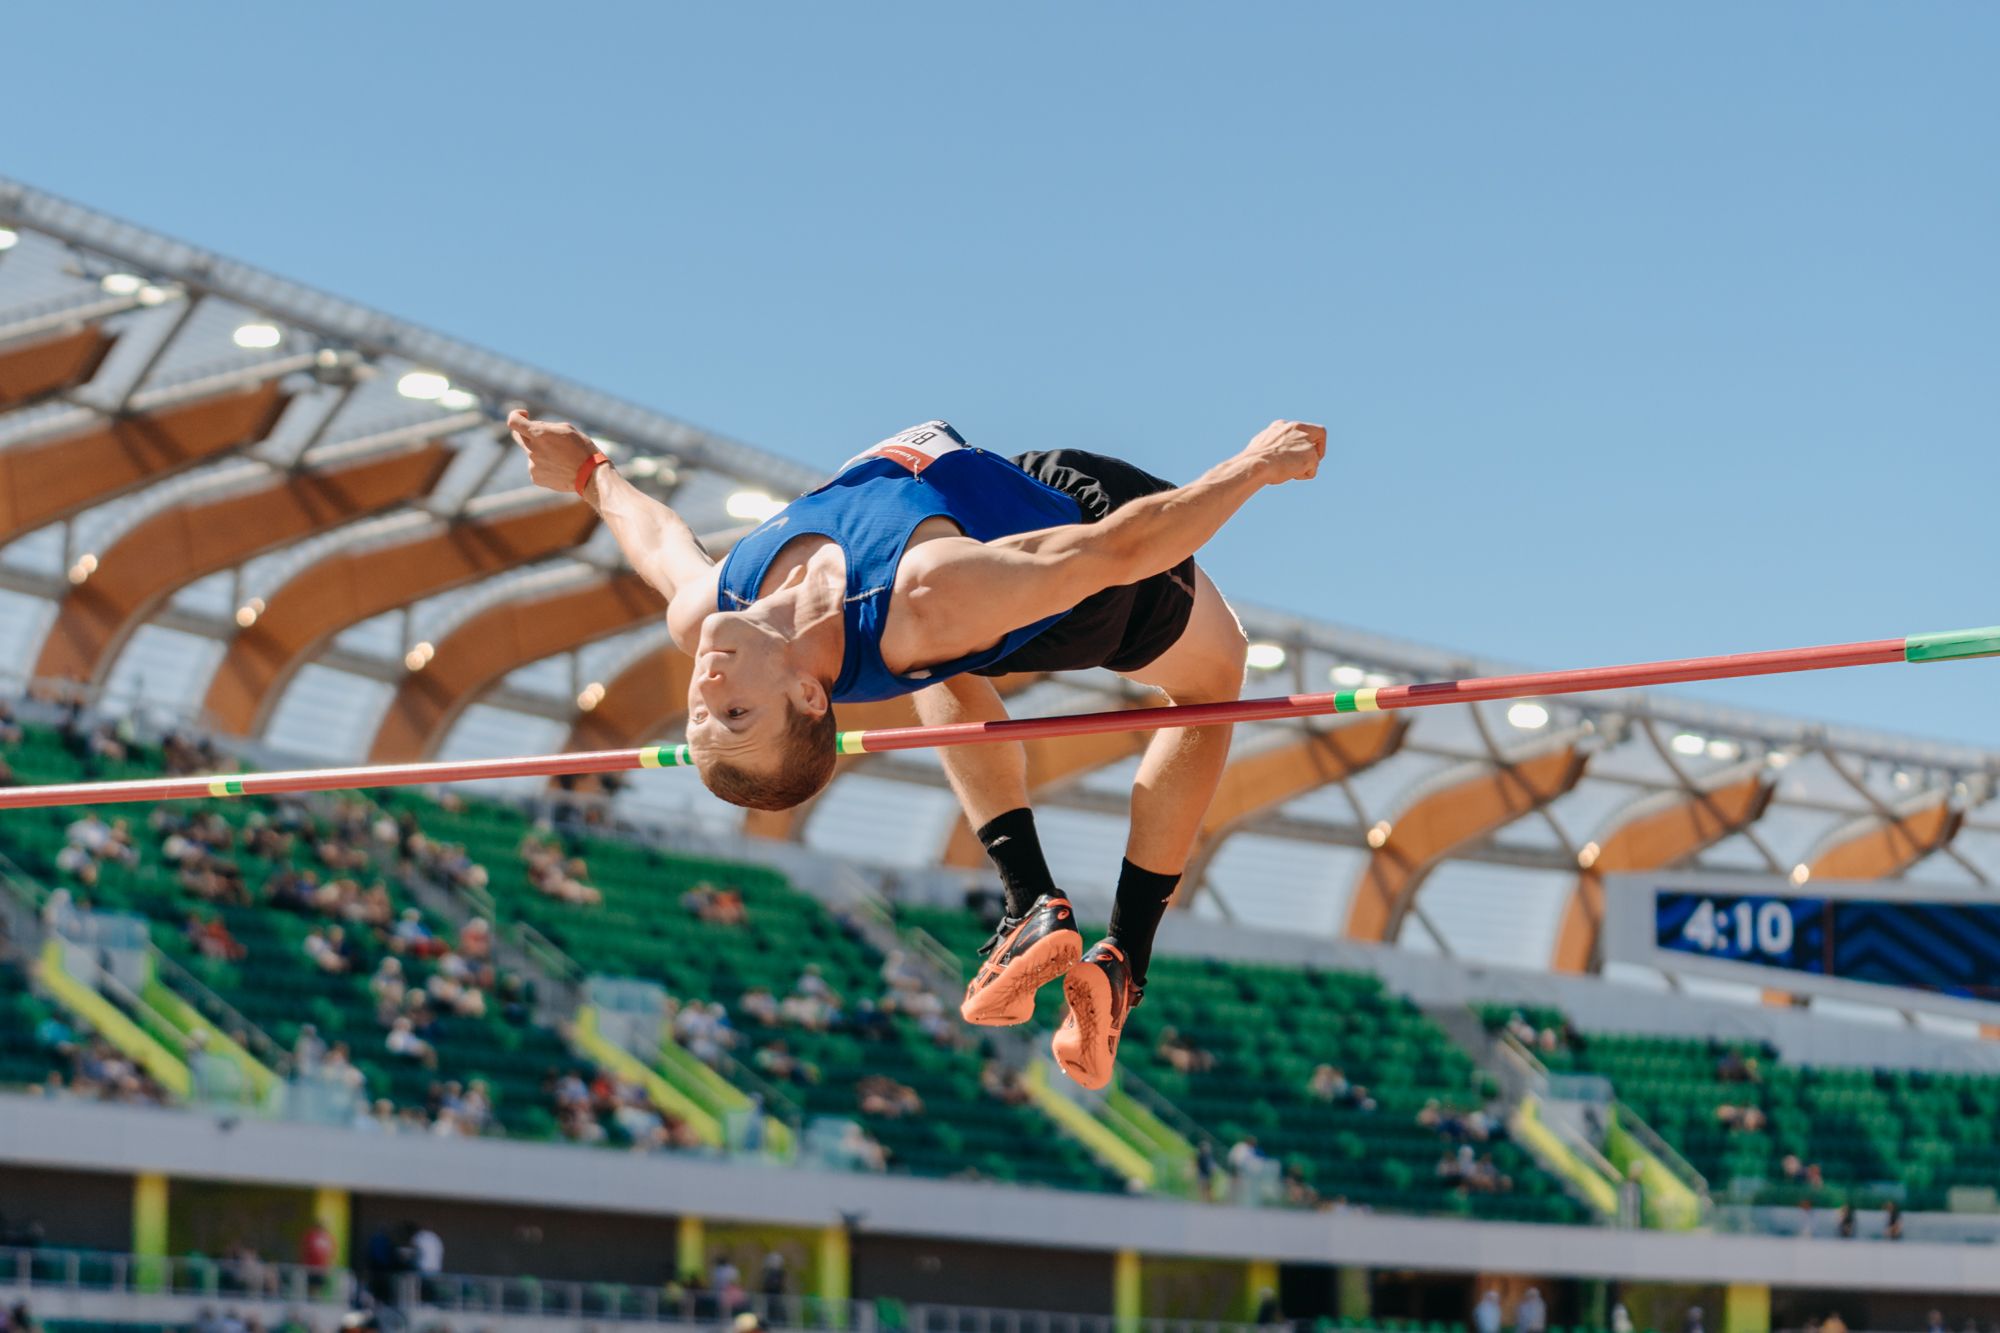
(915,449)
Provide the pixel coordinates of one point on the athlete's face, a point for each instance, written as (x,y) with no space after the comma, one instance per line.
(742,691)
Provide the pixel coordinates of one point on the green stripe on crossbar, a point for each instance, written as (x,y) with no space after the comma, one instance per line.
(1952,644)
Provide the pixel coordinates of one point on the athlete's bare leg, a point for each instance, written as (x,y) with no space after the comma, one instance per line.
(989,780)
(1178,777)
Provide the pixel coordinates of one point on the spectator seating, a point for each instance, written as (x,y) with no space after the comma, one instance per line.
(1873,1134)
(275,986)
(1267,1029)
(642,929)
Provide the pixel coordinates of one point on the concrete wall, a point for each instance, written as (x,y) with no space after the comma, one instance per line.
(525,1240)
(80,1210)
(1018,1277)
(117,1141)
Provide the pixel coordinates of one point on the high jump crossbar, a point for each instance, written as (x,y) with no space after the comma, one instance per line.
(1948,646)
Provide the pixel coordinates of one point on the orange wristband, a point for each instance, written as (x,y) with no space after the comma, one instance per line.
(590,466)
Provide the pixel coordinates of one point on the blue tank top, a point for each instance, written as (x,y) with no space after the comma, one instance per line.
(870,509)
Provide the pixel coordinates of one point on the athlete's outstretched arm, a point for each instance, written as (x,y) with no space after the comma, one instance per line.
(966,594)
(661,547)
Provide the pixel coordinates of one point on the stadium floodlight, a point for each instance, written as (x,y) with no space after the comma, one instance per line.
(1528,716)
(1586,855)
(1265,656)
(419,656)
(152,294)
(85,566)
(258,336)
(590,695)
(426,386)
(1347,676)
(457,400)
(1376,680)
(752,505)
(1378,834)
(1801,873)
(1724,750)
(1689,744)
(9,238)
(246,614)
(121,284)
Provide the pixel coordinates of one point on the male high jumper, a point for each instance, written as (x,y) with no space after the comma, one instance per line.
(924,567)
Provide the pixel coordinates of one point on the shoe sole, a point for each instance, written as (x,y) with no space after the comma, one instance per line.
(1009,999)
(1088,991)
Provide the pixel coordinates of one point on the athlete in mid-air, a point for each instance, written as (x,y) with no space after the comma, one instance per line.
(924,567)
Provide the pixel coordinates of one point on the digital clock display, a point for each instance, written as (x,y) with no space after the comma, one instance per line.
(1952,948)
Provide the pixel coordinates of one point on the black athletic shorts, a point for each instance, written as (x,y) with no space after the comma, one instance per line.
(1122,628)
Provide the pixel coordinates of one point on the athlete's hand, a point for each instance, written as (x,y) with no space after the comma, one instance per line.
(555,450)
(1287,451)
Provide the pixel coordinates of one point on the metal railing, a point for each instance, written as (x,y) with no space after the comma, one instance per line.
(611,1301)
(150,1275)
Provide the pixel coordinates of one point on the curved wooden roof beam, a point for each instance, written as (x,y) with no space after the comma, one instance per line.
(1651,834)
(1879,848)
(1464,805)
(172,548)
(53,479)
(478,653)
(344,589)
(1267,778)
(32,371)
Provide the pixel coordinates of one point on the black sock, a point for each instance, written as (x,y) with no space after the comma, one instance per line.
(1136,913)
(1017,853)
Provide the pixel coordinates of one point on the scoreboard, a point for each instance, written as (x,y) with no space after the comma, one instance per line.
(1899,944)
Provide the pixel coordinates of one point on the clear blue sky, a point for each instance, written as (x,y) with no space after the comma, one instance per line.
(1641,333)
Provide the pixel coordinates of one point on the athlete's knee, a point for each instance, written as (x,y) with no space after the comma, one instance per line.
(1215,673)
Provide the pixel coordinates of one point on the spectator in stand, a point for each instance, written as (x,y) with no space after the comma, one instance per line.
(885,1097)
(777,1062)
(1486,1315)
(323,948)
(339,1069)
(426,1253)
(1847,1225)
(10,730)
(1743,1119)
(20,1319)
(212,940)
(1245,1155)
(1182,1054)
(1003,1084)
(1531,1315)
(1205,1168)
(774,1275)
(1269,1311)
(759,1005)
(404,1043)
(307,1049)
(475,940)
(389,990)
(1892,1220)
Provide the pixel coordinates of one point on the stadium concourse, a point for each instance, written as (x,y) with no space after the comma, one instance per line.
(529,1058)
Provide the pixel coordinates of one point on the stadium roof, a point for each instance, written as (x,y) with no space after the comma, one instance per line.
(230,497)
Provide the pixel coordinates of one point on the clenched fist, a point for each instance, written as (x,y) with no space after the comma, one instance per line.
(1287,451)
(555,450)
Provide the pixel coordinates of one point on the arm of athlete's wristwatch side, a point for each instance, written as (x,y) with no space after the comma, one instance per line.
(971,593)
(661,547)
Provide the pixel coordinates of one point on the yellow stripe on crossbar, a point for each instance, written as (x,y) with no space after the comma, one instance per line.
(649,757)
(850,742)
(1364,701)
(218,787)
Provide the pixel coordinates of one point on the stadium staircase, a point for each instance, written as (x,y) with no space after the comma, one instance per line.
(1877,1135)
(1268,1028)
